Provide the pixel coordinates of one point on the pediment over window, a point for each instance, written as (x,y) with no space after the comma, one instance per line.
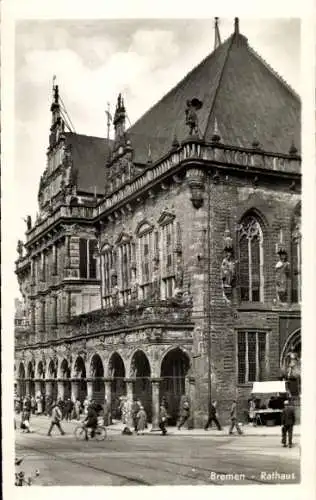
(144,227)
(106,247)
(123,238)
(166,218)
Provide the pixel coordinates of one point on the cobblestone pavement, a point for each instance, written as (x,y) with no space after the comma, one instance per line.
(180,458)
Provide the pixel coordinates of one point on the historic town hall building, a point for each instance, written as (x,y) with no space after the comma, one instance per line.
(167,261)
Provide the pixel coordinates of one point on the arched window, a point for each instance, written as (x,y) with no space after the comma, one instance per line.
(107,265)
(296,256)
(250,246)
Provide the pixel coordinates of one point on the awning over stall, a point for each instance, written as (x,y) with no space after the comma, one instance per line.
(269,387)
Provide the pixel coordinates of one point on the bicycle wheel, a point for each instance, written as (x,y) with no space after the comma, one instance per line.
(100,433)
(80,432)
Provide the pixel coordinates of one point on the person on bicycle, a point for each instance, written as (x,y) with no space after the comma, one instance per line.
(91,421)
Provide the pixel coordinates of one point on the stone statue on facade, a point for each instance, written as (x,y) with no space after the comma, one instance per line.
(282,272)
(228,273)
(134,286)
(191,117)
(19,248)
(29,222)
(292,364)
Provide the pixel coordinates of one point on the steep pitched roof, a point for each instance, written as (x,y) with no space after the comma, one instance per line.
(247,98)
(89,156)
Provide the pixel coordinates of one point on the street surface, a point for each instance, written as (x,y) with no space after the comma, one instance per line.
(153,459)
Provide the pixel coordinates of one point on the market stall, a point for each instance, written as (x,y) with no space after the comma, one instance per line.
(269,400)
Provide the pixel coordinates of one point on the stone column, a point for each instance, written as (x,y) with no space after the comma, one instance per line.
(37,387)
(49,388)
(108,396)
(60,389)
(129,394)
(89,389)
(155,388)
(74,390)
(27,388)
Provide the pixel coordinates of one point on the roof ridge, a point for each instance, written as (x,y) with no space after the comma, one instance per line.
(231,39)
(179,83)
(86,135)
(274,72)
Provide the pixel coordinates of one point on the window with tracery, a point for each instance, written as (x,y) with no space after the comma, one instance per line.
(250,247)
(168,258)
(251,355)
(107,258)
(125,253)
(145,253)
(296,257)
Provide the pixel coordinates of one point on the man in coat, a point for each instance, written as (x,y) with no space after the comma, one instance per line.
(213,417)
(287,422)
(233,418)
(55,420)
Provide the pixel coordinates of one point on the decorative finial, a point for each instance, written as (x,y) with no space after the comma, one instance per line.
(149,158)
(175,142)
(217,34)
(216,136)
(236,25)
(255,143)
(293,149)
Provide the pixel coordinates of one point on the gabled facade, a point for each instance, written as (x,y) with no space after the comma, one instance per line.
(193,251)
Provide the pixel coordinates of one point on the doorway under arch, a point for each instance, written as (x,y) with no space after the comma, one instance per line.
(31,376)
(22,383)
(65,373)
(174,369)
(80,371)
(291,362)
(140,369)
(97,372)
(52,376)
(118,386)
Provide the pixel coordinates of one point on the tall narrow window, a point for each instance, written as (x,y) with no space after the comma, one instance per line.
(250,260)
(251,356)
(125,256)
(145,254)
(296,256)
(107,267)
(168,262)
(87,258)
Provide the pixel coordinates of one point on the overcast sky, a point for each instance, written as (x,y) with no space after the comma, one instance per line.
(95,60)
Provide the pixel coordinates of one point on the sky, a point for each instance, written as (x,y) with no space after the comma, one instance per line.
(95,60)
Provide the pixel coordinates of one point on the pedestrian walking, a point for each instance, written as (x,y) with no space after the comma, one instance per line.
(184,412)
(77,410)
(252,412)
(141,420)
(85,406)
(135,410)
(287,422)
(163,420)
(213,417)
(68,409)
(25,420)
(106,413)
(55,420)
(33,404)
(233,418)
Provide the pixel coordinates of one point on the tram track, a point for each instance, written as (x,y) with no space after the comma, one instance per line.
(197,473)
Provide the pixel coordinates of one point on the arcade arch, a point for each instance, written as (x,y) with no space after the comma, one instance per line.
(116,370)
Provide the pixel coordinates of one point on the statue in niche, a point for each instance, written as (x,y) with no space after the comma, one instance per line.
(282,272)
(178,280)
(115,295)
(292,364)
(228,272)
(191,118)
(29,222)
(20,248)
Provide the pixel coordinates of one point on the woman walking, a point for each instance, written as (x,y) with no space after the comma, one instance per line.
(141,421)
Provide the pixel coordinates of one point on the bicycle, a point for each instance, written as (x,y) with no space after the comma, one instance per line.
(100,433)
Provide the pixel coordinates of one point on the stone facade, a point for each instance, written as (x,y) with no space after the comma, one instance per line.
(190,294)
